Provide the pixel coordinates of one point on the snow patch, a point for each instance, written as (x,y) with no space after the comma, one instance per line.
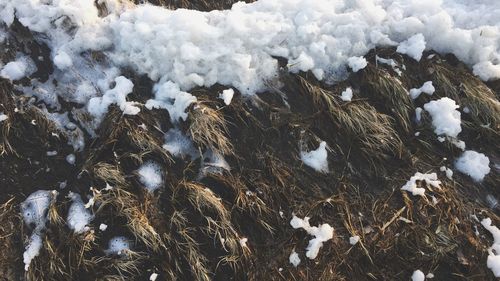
(357,63)
(316,159)
(79,217)
(411,185)
(294,259)
(227,96)
(321,233)
(150,175)
(418,275)
(474,164)
(346,95)
(427,88)
(413,47)
(445,117)
(493,261)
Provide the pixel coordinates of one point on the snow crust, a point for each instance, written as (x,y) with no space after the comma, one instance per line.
(316,159)
(411,185)
(150,174)
(445,118)
(493,261)
(474,164)
(321,233)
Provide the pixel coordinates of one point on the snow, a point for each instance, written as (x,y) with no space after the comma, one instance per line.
(150,175)
(427,88)
(182,49)
(392,63)
(346,95)
(32,250)
(316,159)
(321,233)
(169,96)
(62,60)
(357,63)
(473,164)
(179,145)
(103,227)
(448,171)
(3,117)
(34,211)
(71,159)
(153,276)
(445,117)
(294,259)
(227,96)
(411,185)
(118,245)
(354,240)
(418,275)
(15,70)
(493,261)
(413,46)
(98,106)
(418,114)
(79,217)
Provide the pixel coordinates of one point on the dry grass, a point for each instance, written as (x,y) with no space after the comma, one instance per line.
(208,129)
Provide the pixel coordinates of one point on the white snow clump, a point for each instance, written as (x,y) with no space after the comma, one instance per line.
(474,164)
(445,117)
(411,185)
(321,233)
(346,95)
(493,261)
(427,88)
(294,259)
(316,159)
(413,47)
(150,175)
(79,217)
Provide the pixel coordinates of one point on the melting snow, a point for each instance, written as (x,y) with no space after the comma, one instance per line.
(321,233)
(427,88)
(474,164)
(445,117)
(150,174)
(493,261)
(316,159)
(411,185)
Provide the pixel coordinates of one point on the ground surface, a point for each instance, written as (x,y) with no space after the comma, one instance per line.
(192,227)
